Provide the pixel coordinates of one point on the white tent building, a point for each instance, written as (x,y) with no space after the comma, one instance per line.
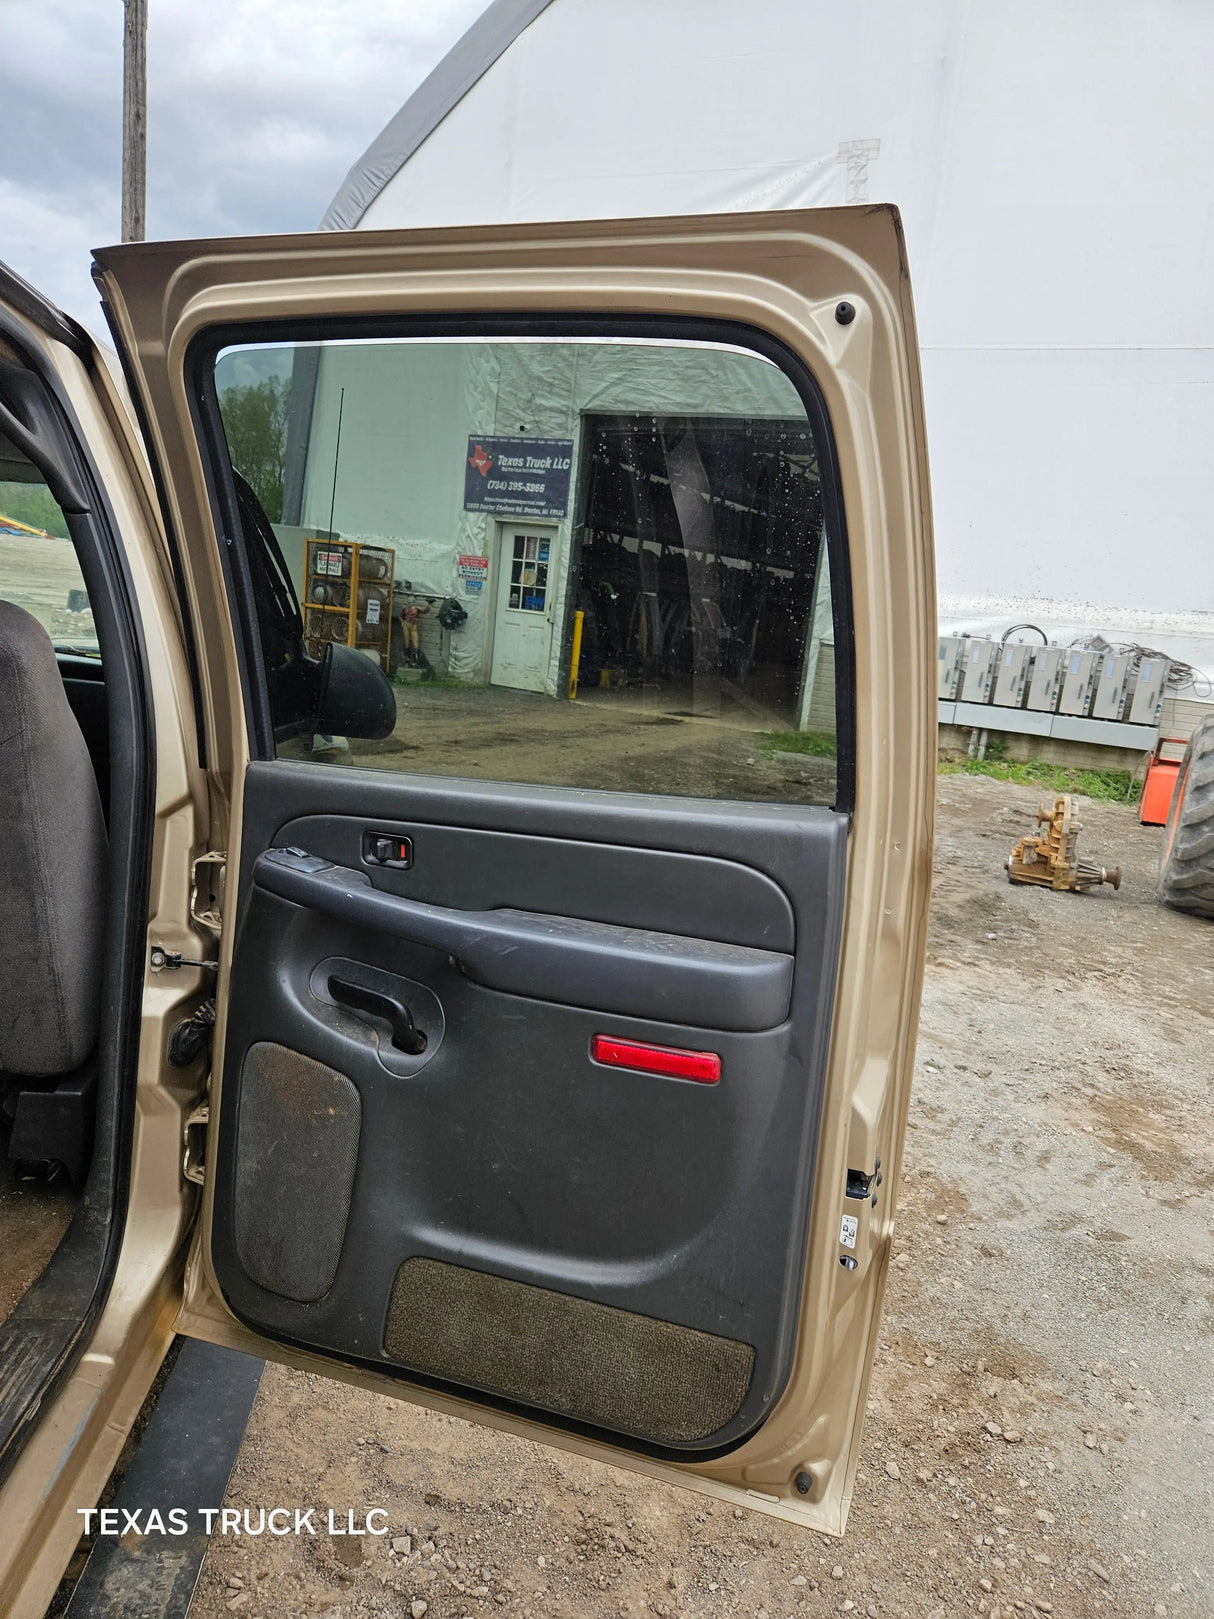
(1054,166)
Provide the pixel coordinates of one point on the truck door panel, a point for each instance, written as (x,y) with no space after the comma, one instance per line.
(564,1045)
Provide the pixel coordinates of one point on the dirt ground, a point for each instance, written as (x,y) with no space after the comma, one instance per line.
(1040,1434)
(37,572)
(715,744)
(33,1218)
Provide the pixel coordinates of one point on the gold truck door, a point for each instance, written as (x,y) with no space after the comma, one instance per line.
(563,1049)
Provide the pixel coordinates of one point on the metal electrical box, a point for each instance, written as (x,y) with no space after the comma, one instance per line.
(1012,675)
(1079,677)
(1146,696)
(1112,685)
(949,661)
(1046,680)
(979,670)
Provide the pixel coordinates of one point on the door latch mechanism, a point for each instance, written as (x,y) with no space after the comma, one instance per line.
(861,1186)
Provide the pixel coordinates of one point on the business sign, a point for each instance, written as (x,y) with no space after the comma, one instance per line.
(520,477)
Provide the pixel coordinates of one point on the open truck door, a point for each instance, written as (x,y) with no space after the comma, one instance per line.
(563,1048)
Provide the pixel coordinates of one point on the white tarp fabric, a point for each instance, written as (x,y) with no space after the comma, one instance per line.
(1053,165)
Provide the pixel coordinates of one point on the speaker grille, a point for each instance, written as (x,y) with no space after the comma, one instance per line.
(598,1364)
(297,1135)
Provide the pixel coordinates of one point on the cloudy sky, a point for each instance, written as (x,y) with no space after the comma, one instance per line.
(256,109)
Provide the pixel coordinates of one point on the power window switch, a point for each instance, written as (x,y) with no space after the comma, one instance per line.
(387,849)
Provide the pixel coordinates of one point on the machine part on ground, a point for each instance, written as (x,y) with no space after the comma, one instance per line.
(1186,862)
(1051,860)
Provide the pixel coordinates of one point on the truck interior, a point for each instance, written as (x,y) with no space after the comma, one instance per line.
(54,781)
(76,788)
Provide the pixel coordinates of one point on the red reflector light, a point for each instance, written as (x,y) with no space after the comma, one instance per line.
(704,1066)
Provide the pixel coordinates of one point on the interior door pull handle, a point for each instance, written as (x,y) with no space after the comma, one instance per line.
(406,1036)
(598,965)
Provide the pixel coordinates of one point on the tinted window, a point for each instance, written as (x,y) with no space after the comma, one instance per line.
(587,563)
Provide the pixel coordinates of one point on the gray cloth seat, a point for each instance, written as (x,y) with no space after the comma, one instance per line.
(53,857)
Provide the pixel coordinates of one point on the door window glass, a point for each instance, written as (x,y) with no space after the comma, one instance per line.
(605,559)
(38,566)
(528,588)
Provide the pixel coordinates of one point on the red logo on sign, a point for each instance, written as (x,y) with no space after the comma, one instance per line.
(480,461)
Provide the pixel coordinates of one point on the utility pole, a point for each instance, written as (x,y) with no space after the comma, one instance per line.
(134,120)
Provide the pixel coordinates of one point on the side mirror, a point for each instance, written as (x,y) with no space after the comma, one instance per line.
(356,696)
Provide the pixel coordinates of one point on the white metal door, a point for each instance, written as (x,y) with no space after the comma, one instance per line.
(522,633)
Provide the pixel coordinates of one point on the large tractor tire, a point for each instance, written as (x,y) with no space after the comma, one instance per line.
(1186,865)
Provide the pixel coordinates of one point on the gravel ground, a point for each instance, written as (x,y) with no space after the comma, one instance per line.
(37,571)
(33,1218)
(623,739)
(1040,1434)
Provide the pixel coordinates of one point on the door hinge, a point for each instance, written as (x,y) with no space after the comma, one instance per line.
(193,1162)
(168,961)
(207,889)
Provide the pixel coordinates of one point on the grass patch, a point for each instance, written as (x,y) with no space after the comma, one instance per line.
(432,679)
(818,744)
(1111,786)
(34,505)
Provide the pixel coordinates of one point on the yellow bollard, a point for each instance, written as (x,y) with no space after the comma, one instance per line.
(575,653)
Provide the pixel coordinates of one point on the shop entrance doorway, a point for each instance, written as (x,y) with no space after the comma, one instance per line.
(522,629)
(699,544)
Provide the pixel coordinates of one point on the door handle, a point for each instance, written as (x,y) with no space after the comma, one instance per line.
(601,966)
(406,1036)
